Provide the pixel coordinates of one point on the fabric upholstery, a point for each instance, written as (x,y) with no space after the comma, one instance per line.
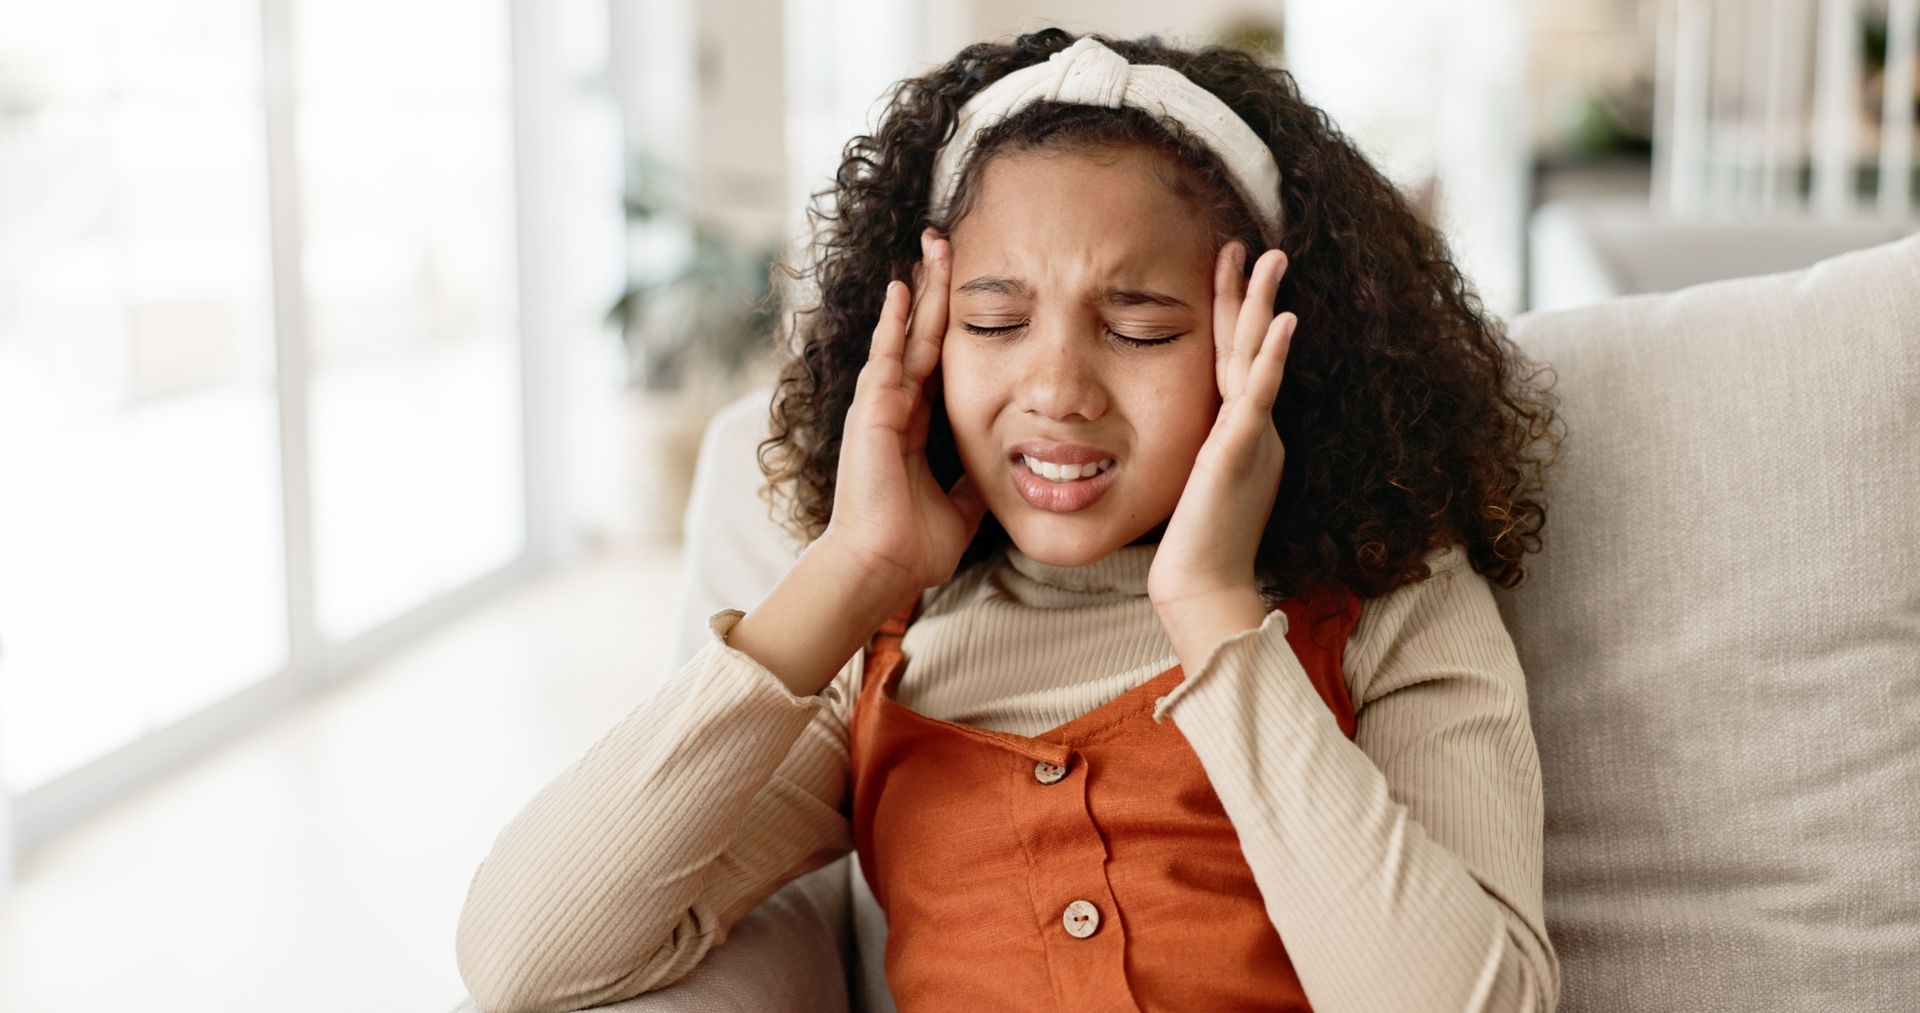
(1722,642)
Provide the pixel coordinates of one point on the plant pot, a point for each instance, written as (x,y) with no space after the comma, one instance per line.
(664,429)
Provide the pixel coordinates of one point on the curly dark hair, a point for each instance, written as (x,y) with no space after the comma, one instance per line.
(1405,414)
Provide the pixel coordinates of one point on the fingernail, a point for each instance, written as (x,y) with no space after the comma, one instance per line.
(1239,257)
(926,243)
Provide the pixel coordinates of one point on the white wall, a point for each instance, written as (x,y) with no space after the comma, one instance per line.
(1452,108)
(742,146)
(703,86)
(6,832)
(571,237)
(1125,18)
(829,98)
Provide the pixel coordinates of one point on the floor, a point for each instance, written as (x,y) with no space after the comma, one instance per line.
(320,864)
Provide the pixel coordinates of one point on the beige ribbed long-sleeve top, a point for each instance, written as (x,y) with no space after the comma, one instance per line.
(1402,867)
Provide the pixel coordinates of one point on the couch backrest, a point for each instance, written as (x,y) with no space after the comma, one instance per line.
(1722,642)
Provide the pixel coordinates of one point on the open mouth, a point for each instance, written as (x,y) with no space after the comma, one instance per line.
(1061,488)
(1065,472)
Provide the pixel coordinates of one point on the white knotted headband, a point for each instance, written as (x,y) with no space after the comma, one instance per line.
(1088,73)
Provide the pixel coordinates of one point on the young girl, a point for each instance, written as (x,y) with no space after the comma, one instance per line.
(1136,677)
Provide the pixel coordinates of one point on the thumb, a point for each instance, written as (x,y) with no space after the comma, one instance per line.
(967,500)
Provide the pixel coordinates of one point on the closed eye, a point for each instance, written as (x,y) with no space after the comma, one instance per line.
(1128,338)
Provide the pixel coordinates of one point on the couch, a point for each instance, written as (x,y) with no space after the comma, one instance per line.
(1721,640)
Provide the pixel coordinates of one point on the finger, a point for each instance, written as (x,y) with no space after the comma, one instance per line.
(928,326)
(889,335)
(1256,315)
(1228,288)
(1270,365)
(1246,323)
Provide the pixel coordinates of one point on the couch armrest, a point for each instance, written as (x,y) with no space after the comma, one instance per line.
(789,954)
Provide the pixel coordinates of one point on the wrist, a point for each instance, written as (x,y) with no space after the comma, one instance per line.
(866,592)
(815,619)
(1198,623)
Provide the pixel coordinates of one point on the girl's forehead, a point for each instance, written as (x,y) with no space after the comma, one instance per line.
(1016,184)
(1019,262)
(1057,210)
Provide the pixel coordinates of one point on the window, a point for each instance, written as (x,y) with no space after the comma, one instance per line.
(200,491)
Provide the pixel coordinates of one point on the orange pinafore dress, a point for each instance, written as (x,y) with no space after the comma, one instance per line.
(1091,867)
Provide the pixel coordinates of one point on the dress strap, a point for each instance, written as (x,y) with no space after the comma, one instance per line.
(896,624)
(886,639)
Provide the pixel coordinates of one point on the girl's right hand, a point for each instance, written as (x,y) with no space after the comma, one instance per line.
(889,511)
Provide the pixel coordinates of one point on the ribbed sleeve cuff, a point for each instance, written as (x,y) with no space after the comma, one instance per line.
(1272,630)
(720,625)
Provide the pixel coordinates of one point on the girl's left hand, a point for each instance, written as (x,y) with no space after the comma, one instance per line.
(1208,548)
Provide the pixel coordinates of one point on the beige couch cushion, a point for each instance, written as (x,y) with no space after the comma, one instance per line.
(1722,642)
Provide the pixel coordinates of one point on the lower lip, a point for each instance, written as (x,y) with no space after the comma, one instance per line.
(1061,497)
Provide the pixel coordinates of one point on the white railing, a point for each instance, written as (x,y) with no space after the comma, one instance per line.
(1751,94)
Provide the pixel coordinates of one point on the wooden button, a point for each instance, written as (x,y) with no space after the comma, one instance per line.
(1081,918)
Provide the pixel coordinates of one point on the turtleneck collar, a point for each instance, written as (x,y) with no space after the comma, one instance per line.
(1122,571)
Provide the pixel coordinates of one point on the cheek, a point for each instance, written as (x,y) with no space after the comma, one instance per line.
(1178,409)
(966,393)
(1185,401)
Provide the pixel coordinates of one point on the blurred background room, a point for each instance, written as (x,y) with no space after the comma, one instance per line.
(355,358)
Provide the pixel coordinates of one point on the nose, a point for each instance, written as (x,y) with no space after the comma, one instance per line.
(1060,376)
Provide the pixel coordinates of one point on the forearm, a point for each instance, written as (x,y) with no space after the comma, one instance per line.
(618,875)
(1375,914)
(816,618)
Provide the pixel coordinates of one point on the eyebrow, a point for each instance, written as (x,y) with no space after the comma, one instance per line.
(1109,295)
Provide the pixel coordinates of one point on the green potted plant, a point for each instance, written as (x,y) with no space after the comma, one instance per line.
(703,310)
(695,319)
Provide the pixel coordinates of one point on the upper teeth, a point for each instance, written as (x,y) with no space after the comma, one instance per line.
(1064,472)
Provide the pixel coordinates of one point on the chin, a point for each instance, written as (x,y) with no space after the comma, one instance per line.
(1054,555)
(1054,547)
